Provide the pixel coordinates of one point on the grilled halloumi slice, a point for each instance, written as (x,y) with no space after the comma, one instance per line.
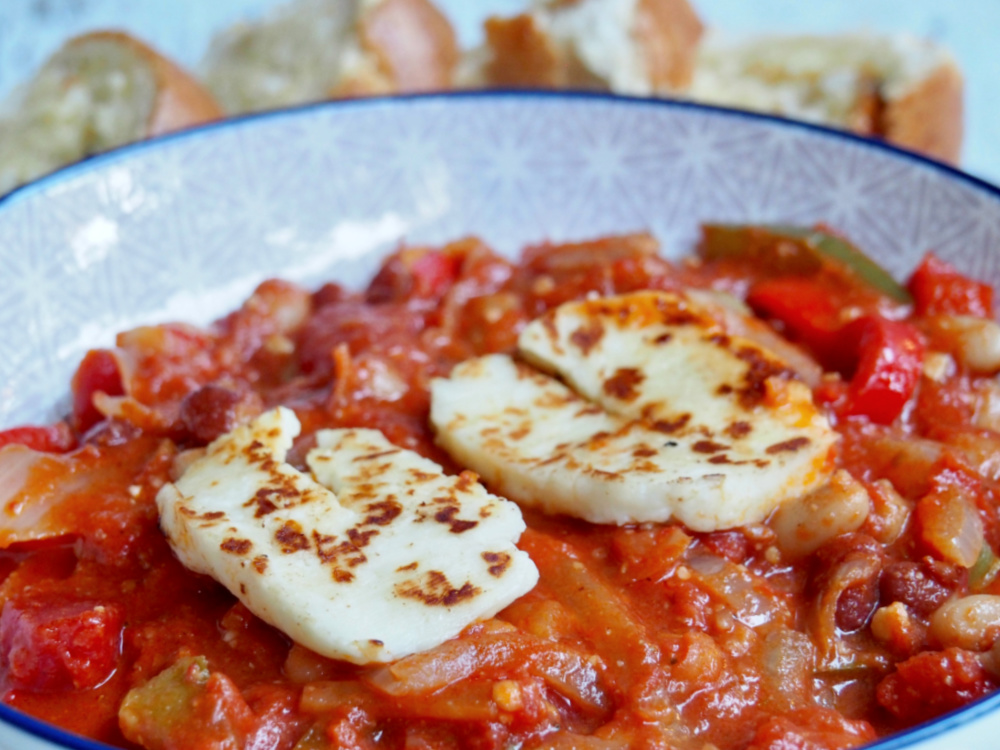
(374,555)
(669,418)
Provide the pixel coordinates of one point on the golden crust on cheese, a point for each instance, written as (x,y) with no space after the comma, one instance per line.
(373,555)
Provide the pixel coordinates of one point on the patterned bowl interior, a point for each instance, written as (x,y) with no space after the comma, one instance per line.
(183,228)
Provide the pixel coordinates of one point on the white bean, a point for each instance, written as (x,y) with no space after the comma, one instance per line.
(807,523)
(972,622)
(976,341)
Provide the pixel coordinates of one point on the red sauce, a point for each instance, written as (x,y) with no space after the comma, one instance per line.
(641,636)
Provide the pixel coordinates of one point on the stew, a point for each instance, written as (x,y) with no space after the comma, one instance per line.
(866,606)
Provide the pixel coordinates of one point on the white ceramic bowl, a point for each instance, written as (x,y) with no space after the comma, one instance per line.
(185,226)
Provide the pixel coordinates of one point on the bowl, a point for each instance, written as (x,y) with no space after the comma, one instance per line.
(184,227)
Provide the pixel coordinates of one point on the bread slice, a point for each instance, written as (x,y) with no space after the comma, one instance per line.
(311,50)
(638,47)
(98,91)
(898,87)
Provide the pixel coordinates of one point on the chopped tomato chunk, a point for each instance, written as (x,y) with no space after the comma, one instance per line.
(50,646)
(97,372)
(56,438)
(934,682)
(939,289)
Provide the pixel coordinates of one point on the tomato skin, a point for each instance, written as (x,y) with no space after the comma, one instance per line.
(97,372)
(939,289)
(56,438)
(890,360)
(59,645)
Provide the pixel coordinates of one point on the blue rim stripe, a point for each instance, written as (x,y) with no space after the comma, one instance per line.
(900,741)
(49,732)
(97,161)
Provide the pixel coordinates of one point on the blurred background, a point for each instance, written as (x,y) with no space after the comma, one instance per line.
(30,30)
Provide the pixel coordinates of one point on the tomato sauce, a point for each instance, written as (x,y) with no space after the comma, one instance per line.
(647,635)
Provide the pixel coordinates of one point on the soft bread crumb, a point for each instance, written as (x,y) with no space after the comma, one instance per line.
(311,50)
(97,92)
(900,87)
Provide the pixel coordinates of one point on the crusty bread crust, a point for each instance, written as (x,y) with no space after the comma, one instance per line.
(669,32)
(522,54)
(930,117)
(414,44)
(180,100)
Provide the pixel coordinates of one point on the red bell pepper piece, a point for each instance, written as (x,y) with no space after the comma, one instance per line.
(97,372)
(808,313)
(939,289)
(890,360)
(56,438)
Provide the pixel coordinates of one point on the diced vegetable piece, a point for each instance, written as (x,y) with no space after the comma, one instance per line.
(46,495)
(889,365)
(950,526)
(98,372)
(811,729)
(797,249)
(576,256)
(922,587)
(186,707)
(986,569)
(650,553)
(893,626)
(50,646)
(938,288)
(433,272)
(808,314)
(788,662)
(56,438)
(931,683)
(497,653)
(779,252)
(627,647)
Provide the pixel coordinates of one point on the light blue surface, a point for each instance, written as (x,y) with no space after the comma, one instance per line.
(31,29)
(183,227)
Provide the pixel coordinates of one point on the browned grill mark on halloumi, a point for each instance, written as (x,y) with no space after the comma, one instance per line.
(708,446)
(447,515)
(738,429)
(670,426)
(788,446)
(236,546)
(498,563)
(623,384)
(586,337)
(436,590)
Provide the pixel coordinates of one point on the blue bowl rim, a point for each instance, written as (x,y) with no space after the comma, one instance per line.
(97,161)
(898,741)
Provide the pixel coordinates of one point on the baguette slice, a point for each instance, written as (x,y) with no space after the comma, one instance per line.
(898,87)
(98,91)
(634,47)
(311,50)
